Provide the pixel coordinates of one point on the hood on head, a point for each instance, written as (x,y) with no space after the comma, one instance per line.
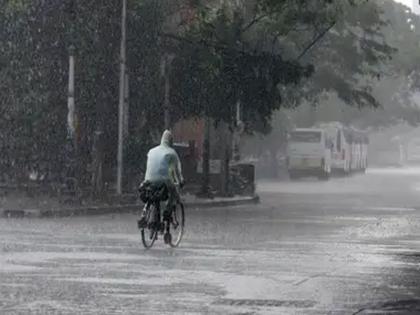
(167,138)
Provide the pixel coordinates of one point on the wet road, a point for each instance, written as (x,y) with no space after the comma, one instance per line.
(351,245)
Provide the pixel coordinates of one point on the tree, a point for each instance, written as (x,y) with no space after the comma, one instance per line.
(27,100)
(252,51)
(395,83)
(262,53)
(34,40)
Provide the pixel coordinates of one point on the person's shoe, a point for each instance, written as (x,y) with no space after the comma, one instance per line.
(154,222)
(167,238)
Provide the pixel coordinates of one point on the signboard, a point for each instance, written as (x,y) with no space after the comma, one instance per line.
(215,167)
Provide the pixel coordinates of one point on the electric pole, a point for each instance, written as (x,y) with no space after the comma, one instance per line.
(239,128)
(71,115)
(120,157)
(72,171)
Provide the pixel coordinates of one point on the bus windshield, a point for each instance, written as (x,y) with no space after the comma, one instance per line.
(305,136)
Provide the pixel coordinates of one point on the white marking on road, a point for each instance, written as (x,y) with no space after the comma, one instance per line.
(396,209)
(118,281)
(414,171)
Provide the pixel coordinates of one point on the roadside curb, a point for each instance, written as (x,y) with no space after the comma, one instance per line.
(116,209)
(223,203)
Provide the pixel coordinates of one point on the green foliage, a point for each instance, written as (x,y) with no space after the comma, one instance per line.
(35,37)
(32,121)
(266,54)
(395,80)
(253,51)
(352,54)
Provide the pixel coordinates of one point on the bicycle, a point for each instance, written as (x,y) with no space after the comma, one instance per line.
(153,197)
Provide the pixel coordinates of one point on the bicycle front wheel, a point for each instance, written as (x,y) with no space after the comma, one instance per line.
(177,225)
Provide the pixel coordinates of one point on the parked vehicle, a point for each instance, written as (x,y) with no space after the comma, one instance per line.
(309,153)
(340,137)
(413,151)
(365,150)
(349,151)
(359,151)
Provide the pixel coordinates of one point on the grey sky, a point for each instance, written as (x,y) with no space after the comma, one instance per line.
(408,3)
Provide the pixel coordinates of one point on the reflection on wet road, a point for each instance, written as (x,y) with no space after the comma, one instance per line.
(346,246)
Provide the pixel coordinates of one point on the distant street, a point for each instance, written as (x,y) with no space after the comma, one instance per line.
(347,246)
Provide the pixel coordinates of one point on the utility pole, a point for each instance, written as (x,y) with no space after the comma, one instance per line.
(126,105)
(71,109)
(120,157)
(237,133)
(72,171)
(71,115)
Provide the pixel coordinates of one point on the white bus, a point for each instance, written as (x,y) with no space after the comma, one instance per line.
(359,150)
(309,153)
(413,151)
(341,139)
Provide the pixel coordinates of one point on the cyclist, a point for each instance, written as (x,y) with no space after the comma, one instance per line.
(164,167)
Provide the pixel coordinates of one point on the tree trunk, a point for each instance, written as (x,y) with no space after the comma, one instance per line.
(205,185)
(274,163)
(97,164)
(225,160)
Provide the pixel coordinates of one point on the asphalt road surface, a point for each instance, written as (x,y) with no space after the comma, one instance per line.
(347,246)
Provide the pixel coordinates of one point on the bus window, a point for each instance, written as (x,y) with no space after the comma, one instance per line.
(306,136)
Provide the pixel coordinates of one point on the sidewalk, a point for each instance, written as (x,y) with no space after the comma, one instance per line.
(44,208)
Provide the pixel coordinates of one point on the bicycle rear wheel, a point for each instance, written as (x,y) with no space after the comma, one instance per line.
(149,234)
(177,225)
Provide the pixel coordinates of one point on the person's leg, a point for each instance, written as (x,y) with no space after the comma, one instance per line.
(142,222)
(172,200)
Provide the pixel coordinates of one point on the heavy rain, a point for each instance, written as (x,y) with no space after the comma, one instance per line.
(209,157)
